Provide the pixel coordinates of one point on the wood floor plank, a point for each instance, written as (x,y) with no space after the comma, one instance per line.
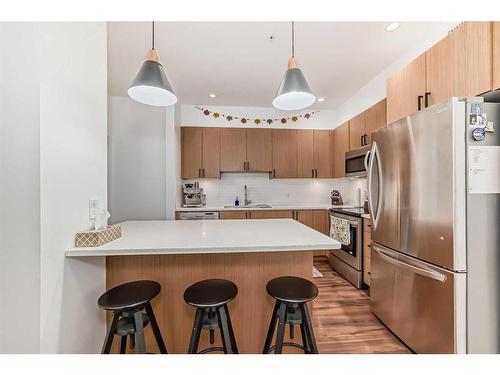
(343,322)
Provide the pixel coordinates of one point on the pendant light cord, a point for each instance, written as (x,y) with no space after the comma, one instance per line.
(153,34)
(293,39)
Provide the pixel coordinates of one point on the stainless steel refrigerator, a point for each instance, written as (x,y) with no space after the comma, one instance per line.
(433,186)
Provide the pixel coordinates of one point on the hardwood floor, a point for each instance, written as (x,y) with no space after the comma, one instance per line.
(343,321)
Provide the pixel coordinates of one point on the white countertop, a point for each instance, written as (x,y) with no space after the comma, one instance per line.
(273,207)
(210,236)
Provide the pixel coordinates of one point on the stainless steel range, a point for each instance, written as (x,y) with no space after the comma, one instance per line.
(348,260)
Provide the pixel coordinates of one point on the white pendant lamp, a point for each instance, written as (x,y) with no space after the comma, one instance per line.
(294,92)
(151,85)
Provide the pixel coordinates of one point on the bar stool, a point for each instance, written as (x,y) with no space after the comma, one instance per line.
(132,311)
(291,294)
(210,297)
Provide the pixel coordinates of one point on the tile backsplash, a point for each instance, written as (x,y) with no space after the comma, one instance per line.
(262,189)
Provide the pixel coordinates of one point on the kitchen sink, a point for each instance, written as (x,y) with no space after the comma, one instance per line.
(250,206)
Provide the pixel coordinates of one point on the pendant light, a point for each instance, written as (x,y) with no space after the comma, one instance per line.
(151,85)
(294,92)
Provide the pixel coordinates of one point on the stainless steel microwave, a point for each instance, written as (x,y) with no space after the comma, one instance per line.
(356,161)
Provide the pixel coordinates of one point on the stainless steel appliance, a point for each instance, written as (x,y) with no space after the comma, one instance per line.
(433,192)
(199,215)
(356,162)
(193,195)
(348,260)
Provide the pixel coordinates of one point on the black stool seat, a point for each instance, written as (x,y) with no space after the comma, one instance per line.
(131,308)
(291,294)
(210,297)
(129,296)
(292,289)
(210,293)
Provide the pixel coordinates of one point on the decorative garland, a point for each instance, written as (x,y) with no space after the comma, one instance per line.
(257,121)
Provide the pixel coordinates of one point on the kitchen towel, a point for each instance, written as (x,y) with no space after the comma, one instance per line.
(340,230)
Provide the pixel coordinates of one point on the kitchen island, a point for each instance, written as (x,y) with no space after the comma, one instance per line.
(179,253)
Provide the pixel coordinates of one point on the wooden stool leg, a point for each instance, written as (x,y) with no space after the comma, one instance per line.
(306,320)
(123,345)
(139,332)
(195,333)
(281,329)
(231,332)
(108,341)
(272,327)
(224,330)
(156,329)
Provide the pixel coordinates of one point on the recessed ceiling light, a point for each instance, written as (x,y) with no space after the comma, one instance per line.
(321,99)
(392,26)
(212,95)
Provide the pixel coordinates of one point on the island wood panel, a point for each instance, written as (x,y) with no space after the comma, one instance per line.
(305,153)
(285,153)
(211,153)
(259,150)
(250,311)
(322,159)
(233,149)
(233,214)
(191,139)
(496,55)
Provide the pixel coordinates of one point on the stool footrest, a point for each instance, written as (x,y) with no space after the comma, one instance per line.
(289,343)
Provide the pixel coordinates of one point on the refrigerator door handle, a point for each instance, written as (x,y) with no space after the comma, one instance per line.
(418,270)
(374,156)
(366,159)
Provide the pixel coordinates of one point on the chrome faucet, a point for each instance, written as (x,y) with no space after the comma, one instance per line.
(247,201)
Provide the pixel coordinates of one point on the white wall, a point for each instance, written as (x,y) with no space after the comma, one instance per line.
(73,167)
(19,190)
(191,116)
(141,148)
(54,159)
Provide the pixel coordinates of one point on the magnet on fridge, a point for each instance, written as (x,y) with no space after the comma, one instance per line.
(490,127)
(478,134)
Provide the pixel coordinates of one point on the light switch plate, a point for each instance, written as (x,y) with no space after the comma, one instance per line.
(93,207)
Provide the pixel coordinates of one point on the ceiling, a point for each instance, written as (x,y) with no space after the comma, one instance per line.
(243,62)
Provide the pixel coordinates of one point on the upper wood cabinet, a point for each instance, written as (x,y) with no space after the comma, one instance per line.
(496,55)
(322,154)
(461,64)
(233,150)
(305,154)
(339,146)
(363,125)
(259,148)
(246,150)
(375,119)
(405,90)
(357,131)
(285,153)
(200,152)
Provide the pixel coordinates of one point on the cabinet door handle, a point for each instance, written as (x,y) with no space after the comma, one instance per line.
(199,172)
(316,173)
(419,102)
(427,95)
(203,169)
(312,173)
(248,165)
(274,172)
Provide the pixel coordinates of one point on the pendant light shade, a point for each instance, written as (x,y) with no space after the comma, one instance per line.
(294,92)
(151,85)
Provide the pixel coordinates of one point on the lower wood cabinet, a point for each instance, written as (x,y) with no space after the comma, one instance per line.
(264,214)
(367,250)
(233,214)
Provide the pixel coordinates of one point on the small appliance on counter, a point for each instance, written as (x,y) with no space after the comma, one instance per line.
(336,198)
(193,195)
